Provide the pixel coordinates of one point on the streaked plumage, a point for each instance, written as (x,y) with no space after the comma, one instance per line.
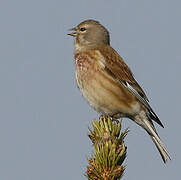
(107,83)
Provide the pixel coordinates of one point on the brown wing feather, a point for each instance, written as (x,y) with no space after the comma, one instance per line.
(116,65)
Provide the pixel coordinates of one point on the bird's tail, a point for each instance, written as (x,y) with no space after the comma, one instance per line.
(143,120)
(163,152)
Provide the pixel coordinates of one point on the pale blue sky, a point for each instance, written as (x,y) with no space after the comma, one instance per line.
(44,119)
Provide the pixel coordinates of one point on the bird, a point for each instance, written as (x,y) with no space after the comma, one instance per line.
(108,84)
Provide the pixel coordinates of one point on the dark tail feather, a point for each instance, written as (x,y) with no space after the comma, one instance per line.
(164,154)
(157,141)
(154,117)
(144,121)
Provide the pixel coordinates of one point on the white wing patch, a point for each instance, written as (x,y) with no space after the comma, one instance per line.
(130,88)
(141,99)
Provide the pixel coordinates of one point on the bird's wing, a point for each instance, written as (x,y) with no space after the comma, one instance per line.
(118,69)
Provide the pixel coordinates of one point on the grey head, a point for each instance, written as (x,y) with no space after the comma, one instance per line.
(90,33)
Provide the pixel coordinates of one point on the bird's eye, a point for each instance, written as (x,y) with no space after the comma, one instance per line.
(82,29)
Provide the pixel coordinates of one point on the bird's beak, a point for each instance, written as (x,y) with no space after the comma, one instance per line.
(73,33)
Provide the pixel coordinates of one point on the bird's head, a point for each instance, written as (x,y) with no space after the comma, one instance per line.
(90,33)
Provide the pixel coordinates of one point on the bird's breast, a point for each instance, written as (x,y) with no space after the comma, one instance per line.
(103,93)
(83,63)
(84,68)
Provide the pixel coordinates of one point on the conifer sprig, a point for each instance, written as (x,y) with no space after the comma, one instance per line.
(109,150)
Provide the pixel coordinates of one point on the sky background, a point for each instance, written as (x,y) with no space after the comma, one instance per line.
(43,117)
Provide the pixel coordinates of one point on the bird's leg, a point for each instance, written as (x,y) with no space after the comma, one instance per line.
(115,120)
(103,117)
